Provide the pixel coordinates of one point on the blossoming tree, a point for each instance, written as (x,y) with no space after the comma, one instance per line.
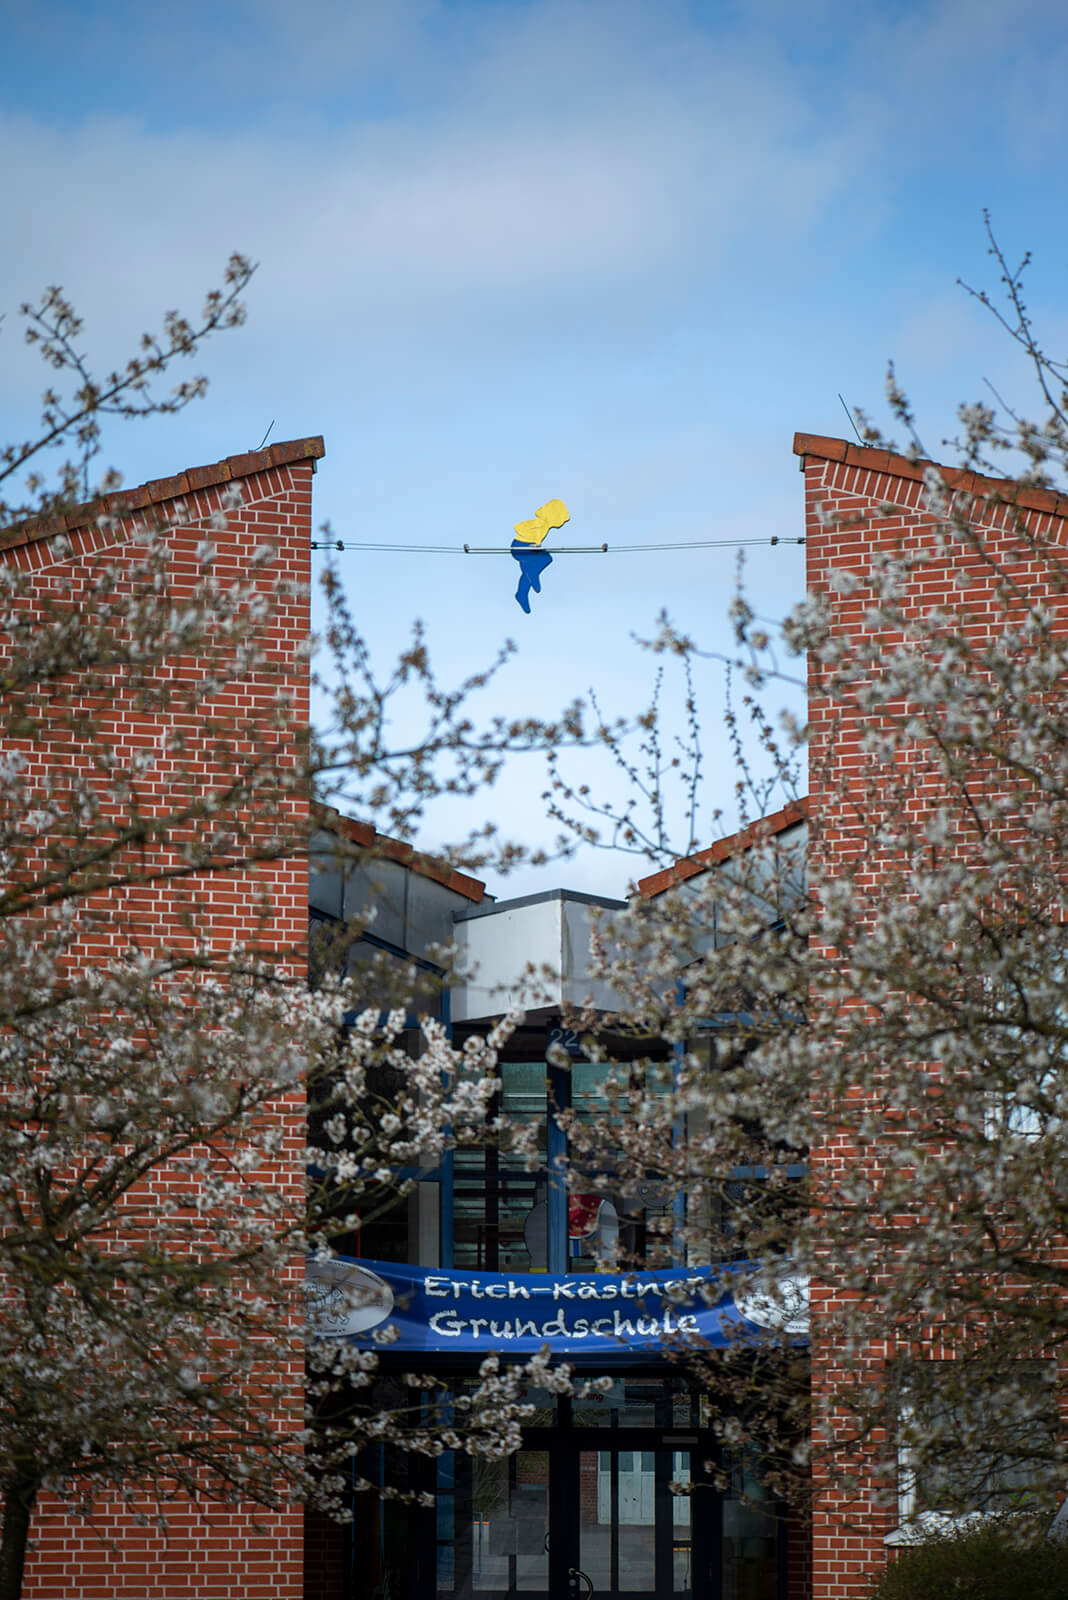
(159,1044)
(871,1026)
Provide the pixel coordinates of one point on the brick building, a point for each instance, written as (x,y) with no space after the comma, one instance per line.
(590,1491)
(863,506)
(490,1245)
(209,1550)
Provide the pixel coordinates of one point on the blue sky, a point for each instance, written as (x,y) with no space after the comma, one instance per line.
(613,252)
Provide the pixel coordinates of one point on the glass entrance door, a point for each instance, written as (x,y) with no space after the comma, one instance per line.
(581,1516)
(492,1522)
(635,1522)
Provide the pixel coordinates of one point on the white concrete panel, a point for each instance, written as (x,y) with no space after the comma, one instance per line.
(529,955)
(501,952)
(579,920)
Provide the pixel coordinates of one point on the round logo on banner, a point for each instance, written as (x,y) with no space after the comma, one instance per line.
(344,1298)
(777,1303)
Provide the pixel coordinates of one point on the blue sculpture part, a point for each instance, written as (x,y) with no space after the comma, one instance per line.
(532,563)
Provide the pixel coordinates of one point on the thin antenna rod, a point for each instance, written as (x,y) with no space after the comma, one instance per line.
(266,436)
(852,424)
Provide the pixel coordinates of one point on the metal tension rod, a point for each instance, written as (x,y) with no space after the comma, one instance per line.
(551,550)
(548,550)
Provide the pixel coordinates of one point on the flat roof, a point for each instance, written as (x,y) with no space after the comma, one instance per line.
(573,895)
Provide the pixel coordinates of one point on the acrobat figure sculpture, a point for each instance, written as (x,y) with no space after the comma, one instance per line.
(526,547)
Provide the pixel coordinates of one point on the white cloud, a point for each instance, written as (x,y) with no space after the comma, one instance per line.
(562,157)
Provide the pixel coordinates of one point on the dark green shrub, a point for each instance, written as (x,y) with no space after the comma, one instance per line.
(995,1561)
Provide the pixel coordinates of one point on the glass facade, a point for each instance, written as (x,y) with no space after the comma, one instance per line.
(632,1508)
(616,1494)
(499,1215)
(495,1194)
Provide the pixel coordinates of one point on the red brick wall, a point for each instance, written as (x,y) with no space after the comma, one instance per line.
(588,1487)
(325,1544)
(798,1554)
(844,484)
(207,1551)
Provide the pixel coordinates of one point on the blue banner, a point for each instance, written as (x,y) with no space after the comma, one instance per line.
(610,1316)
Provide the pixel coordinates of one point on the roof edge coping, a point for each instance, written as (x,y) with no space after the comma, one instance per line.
(963,479)
(122,502)
(543,897)
(733,844)
(367,836)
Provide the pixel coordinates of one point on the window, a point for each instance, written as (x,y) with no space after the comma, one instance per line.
(1021,1027)
(495,1193)
(1027,1110)
(975,1442)
(502,1192)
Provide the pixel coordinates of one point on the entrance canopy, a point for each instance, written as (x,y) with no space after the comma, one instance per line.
(608,1317)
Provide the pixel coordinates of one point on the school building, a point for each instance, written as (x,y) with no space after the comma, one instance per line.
(489,1253)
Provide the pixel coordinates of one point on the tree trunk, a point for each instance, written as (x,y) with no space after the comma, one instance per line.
(19,1497)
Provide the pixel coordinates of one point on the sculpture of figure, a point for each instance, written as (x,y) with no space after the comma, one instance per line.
(529,537)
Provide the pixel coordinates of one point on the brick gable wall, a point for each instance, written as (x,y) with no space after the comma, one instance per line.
(860,504)
(207,1551)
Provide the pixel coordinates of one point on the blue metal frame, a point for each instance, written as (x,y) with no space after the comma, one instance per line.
(446,1179)
(678,1207)
(556,1145)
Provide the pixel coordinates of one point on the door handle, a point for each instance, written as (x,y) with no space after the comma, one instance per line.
(573,1575)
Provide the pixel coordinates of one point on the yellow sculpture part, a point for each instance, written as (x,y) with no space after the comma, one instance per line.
(553,514)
